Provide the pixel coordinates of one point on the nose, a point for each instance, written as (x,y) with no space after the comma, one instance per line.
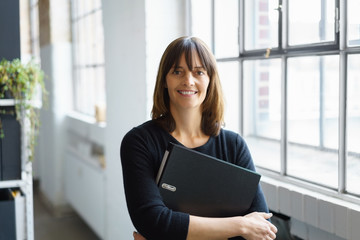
(189,79)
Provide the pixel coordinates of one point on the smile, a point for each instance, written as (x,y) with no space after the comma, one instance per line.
(187,92)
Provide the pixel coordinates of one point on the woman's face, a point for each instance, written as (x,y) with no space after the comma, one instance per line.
(187,88)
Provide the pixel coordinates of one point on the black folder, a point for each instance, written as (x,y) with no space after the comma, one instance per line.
(201,185)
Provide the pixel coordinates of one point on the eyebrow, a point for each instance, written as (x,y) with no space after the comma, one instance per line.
(198,67)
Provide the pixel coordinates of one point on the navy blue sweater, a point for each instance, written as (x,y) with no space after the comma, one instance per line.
(142,150)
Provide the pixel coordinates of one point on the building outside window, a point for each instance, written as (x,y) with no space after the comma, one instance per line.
(292,84)
(88,56)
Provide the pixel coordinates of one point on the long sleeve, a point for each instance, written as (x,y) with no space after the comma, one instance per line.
(147,211)
(244,159)
(141,153)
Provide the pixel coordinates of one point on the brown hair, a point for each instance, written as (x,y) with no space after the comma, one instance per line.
(213,105)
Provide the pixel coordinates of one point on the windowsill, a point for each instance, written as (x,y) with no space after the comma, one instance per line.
(86,127)
(310,189)
(319,207)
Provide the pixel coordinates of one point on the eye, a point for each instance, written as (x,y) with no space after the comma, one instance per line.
(200,73)
(177,71)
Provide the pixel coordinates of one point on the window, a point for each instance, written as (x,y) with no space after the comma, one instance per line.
(261,30)
(312,119)
(297,84)
(353,23)
(226,25)
(317,25)
(88,56)
(34,29)
(262,110)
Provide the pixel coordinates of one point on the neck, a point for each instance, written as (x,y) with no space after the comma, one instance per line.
(188,128)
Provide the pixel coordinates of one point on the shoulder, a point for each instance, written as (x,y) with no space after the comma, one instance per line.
(235,148)
(232,138)
(142,131)
(148,139)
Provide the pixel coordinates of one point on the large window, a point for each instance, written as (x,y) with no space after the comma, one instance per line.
(295,98)
(88,56)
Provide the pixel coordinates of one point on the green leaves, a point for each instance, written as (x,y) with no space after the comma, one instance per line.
(20,82)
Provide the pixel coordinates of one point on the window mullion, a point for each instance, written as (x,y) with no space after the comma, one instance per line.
(213,26)
(342,124)
(242,92)
(283,141)
(283,43)
(342,99)
(280,24)
(284,25)
(241,29)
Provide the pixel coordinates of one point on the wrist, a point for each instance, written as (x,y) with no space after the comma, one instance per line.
(240,226)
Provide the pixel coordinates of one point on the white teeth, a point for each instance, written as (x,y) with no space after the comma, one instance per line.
(187,92)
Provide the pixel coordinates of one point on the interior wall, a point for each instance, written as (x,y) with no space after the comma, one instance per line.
(55,54)
(125,96)
(132,54)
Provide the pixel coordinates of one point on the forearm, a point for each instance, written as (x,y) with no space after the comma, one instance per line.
(251,226)
(214,228)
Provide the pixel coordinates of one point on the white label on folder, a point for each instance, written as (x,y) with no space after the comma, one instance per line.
(168,187)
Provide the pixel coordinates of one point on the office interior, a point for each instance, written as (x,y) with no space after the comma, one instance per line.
(289,70)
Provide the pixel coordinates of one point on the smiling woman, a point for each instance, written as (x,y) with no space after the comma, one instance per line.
(188,110)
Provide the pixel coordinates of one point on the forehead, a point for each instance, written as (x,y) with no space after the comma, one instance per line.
(189,58)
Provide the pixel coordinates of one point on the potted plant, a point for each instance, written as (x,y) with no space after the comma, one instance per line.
(22,83)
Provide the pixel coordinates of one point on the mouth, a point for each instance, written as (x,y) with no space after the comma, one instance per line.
(187,93)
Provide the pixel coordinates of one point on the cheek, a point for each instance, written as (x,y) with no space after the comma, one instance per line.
(206,85)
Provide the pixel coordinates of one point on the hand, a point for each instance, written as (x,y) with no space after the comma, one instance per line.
(138,236)
(258,227)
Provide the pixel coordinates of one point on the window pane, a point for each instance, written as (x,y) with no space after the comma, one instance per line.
(313,115)
(353,27)
(226,28)
(88,56)
(261,24)
(229,77)
(201,20)
(353,124)
(311,21)
(262,111)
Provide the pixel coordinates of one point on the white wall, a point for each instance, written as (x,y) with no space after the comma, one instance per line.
(136,34)
(125,70)
(56,62)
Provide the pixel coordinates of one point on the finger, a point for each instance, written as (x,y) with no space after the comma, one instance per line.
(272,232)
(272,235)
(267,215)
(273,228)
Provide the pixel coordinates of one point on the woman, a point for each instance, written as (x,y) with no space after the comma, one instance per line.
(188,109)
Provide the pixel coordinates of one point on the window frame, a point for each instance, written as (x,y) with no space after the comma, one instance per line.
(75,18)
(284,51)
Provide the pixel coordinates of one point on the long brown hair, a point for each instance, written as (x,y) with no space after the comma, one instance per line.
(213,105)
